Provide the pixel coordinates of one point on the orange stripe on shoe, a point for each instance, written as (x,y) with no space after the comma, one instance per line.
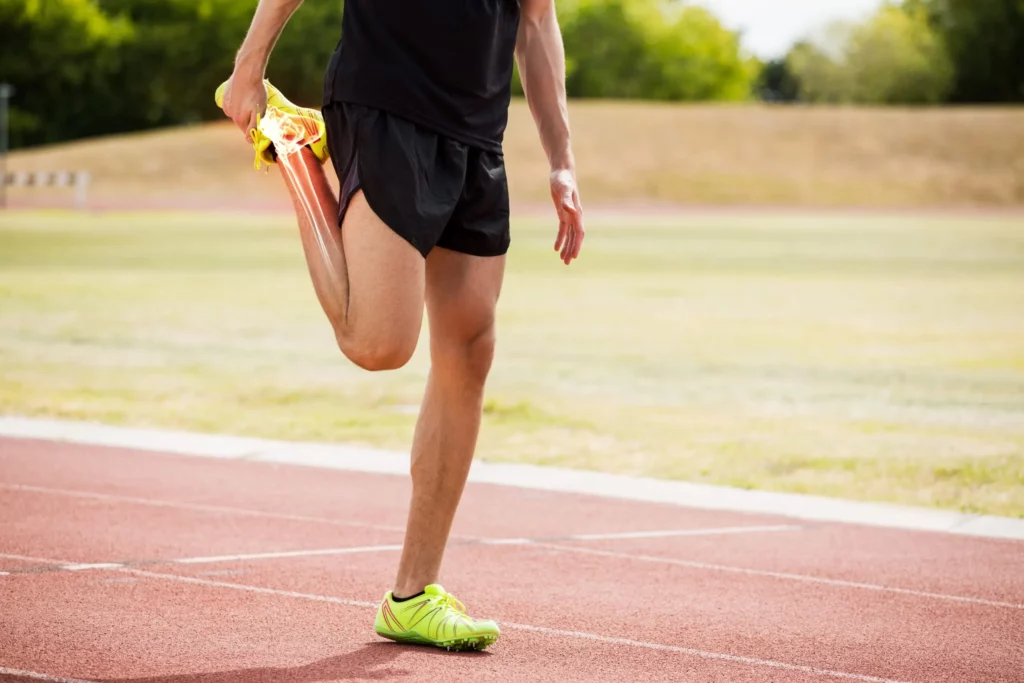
(387,609)
(386,622)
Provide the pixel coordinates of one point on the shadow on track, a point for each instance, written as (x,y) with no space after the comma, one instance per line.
(372,661)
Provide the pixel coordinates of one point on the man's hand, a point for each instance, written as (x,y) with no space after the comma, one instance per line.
(566,196)
(244,98)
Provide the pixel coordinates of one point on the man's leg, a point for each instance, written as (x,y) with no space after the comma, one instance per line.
(369,281)
(461,294)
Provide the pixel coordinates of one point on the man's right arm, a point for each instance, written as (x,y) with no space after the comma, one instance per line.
(246,96)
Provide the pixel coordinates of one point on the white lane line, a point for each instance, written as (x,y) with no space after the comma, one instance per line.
(483,541)
(669,533)
(62,565)
(504,541)
(805,578)
(199,507)
(352,550)
(285,554)
(40,677)
(703,654)
(34,560)
(250,589)
(94,565)
(37,560)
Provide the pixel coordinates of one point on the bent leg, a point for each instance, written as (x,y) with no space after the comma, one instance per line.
(369,281)
(461,294)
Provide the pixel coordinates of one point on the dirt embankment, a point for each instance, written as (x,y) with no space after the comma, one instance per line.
(628,154)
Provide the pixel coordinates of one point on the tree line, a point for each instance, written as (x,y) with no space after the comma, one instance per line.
(912,52)
(94,67)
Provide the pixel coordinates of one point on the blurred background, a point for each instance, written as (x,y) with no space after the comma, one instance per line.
(804,268)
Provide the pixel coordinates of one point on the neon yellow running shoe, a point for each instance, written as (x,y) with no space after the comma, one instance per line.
(434,618)
(309,119)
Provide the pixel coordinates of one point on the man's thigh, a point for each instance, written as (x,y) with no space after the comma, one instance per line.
(386,278)
(462,295)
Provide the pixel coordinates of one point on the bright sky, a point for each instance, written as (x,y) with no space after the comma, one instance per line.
(770,27)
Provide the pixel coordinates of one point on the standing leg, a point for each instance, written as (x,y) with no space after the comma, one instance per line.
(462,293)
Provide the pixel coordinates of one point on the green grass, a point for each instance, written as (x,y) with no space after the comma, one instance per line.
(874,357)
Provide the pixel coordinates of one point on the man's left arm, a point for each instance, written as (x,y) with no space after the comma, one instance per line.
(541,58)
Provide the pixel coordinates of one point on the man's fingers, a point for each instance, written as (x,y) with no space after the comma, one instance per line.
(242,123)
(581,232)
(250,125)
(245,121)
(578,231)
(570,246)
(575,242)
(564,233)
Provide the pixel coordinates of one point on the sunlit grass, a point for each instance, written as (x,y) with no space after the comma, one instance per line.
(876,357)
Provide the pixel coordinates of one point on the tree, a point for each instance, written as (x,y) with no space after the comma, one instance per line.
(985,39)
(821,76)
(892,58)
(646,49)
(606,50)
(777,82)
(696,58)
(896,58)
(181,51)
(61,56)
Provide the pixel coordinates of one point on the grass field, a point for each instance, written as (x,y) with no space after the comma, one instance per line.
(877,358)
(630,153)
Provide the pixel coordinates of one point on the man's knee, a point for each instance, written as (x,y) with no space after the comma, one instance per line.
(469,356)
(480,355)
(379,354)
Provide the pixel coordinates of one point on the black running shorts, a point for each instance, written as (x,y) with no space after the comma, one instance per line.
(431,190)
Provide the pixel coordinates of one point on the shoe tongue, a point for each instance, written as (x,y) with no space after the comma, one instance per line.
(434,589)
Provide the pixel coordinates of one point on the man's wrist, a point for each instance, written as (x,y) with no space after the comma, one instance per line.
(249,68)
(563,162)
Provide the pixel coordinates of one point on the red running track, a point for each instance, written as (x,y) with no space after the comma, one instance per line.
(140,567)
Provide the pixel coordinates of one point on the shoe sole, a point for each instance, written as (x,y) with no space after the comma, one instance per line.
(479,642)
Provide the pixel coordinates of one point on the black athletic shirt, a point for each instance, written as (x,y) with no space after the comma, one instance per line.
(444,64)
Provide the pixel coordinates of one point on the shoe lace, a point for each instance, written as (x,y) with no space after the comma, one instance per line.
(255,135)
(451,602)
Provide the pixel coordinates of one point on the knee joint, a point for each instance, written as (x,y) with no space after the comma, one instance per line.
(377,355)
(471,357)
